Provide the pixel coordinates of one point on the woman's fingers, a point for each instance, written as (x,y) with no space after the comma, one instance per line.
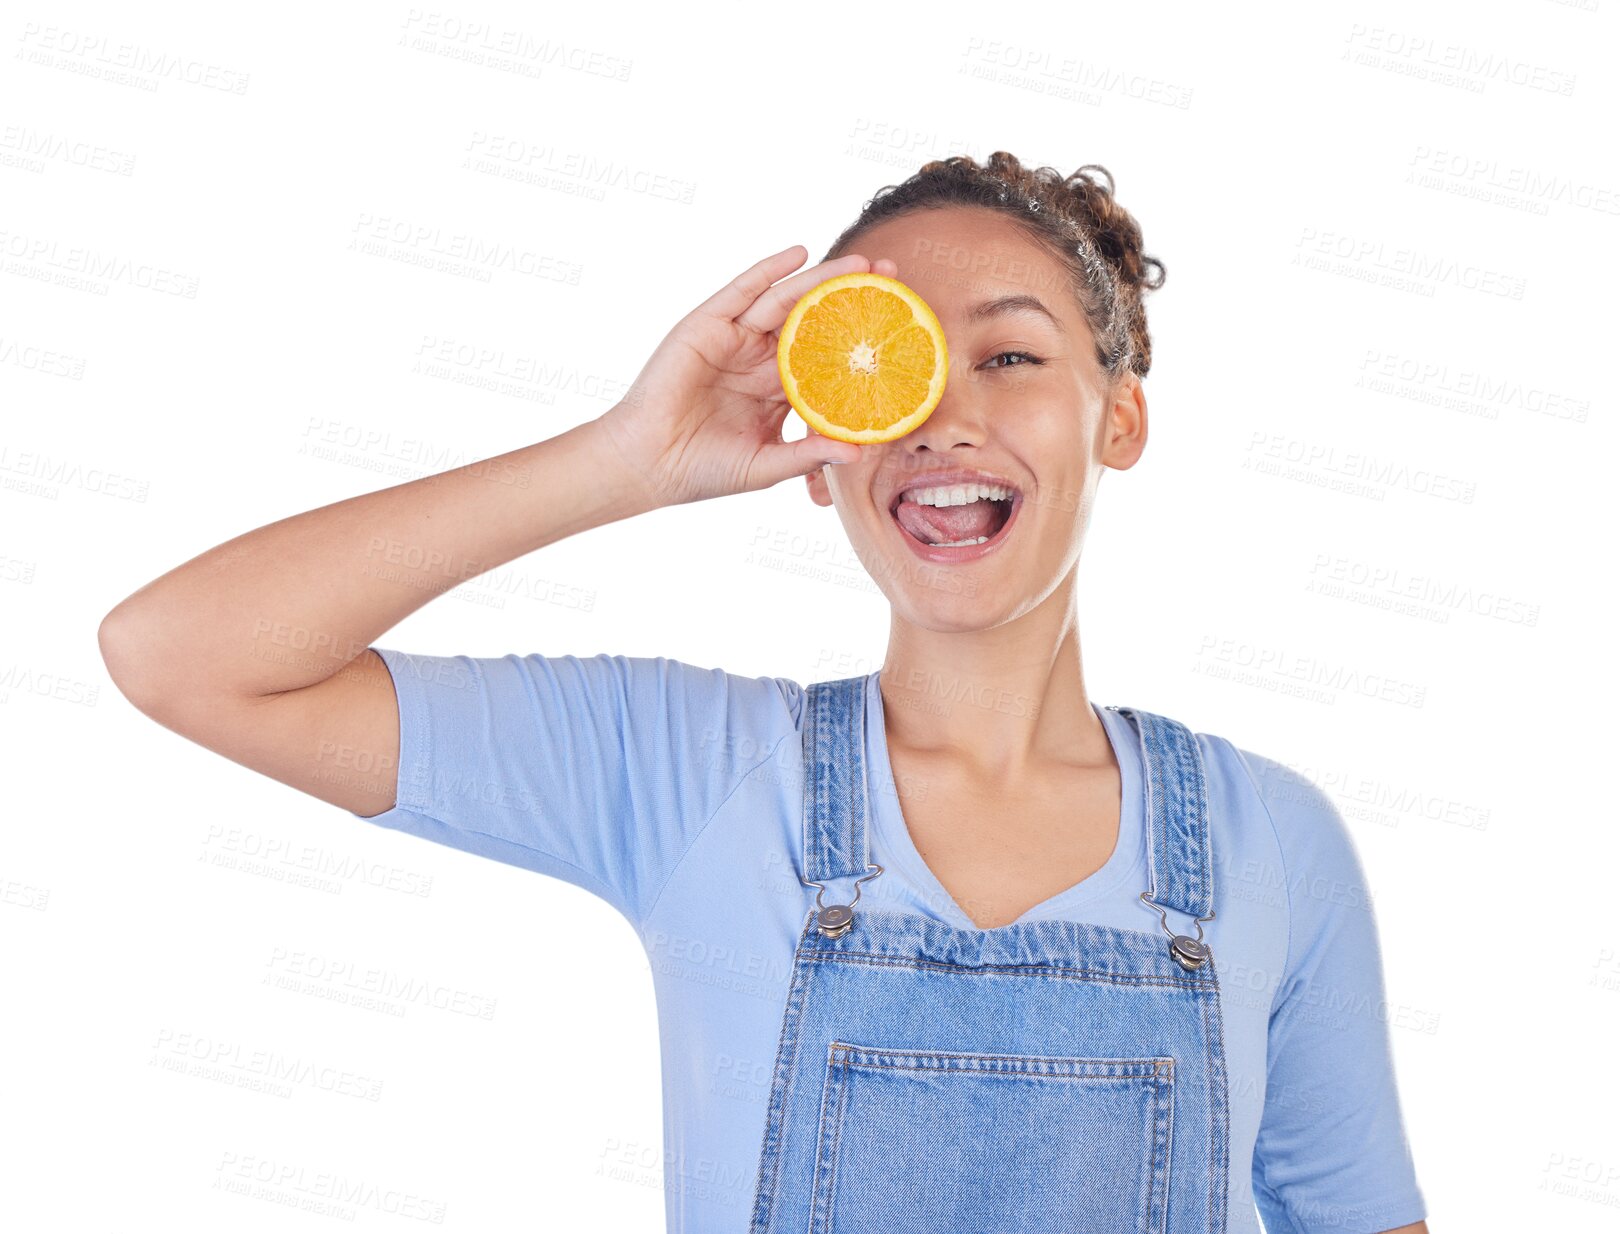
(786,459)
(772,307)
(742,291)
(757,300)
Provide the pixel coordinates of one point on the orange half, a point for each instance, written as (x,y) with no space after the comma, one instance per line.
(862,358)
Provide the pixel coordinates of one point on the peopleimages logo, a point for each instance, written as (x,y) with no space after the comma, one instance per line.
(426,245)
(1449,63)
(1406,269)
(91,264)
(95,55)
(1479,176)
(30,465)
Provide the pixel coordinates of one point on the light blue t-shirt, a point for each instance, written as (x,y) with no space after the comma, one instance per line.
(674,793)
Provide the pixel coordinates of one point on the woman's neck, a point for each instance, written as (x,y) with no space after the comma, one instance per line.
(998,702)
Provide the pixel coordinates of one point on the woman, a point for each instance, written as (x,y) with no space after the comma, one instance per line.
(992,957)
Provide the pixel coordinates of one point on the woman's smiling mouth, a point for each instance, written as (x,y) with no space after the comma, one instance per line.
(955,516)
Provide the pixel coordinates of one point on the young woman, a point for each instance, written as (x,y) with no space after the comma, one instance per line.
(994,957)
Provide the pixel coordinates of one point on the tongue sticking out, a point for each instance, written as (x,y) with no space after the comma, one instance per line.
(943,524)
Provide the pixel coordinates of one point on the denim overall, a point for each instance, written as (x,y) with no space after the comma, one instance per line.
(1042,1077)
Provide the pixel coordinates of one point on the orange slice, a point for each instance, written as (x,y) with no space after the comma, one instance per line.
(862,358)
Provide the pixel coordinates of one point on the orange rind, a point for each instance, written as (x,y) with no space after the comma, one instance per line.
(862,358)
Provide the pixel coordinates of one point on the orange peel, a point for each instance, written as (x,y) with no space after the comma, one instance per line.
(862,358)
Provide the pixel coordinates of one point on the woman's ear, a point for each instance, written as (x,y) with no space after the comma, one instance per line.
(1124,427)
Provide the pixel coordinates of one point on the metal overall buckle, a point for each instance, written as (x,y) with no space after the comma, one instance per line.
(1187,952)
(834,920)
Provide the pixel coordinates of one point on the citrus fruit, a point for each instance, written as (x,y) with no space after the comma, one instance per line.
(862,358)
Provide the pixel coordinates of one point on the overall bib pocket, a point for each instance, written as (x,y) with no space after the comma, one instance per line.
(931,1140)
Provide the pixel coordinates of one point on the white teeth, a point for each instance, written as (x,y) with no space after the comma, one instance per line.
(959,543)
(957,494)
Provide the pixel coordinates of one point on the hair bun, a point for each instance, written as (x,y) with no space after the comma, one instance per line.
(1116,231)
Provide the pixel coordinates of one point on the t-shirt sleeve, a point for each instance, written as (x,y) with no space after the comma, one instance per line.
(1332,1152)
(600,770)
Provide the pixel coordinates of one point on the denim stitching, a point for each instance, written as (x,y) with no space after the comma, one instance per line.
(787,1061)
(1220,1130)
(1122,1068)
(874,960)
(1206,845)
(816,1184)
(1160,1201)
(1152,1077)
(838,1140)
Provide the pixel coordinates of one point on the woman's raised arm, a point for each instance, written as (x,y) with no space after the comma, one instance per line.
(258,649)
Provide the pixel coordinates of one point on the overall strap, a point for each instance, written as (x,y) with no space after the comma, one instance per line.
(835,799)
(1179,858)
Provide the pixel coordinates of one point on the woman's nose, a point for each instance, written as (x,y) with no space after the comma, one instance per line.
(959,417)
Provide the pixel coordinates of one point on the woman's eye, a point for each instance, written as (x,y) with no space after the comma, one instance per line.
(1022,355)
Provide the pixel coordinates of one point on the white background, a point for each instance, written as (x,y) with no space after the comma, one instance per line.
(1368,538)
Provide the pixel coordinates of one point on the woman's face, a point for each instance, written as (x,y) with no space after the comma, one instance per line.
(1042,420)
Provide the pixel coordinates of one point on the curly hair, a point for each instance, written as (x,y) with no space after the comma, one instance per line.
(1076,217)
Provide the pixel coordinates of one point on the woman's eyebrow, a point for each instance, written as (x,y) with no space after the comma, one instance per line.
(1022,303)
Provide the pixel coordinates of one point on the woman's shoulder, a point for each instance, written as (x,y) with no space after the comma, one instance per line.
(636,692)
(754,701)
(1286,805)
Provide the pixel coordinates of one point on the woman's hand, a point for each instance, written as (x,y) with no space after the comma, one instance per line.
(704,417)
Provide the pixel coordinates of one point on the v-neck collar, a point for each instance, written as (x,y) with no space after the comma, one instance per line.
(891,839)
